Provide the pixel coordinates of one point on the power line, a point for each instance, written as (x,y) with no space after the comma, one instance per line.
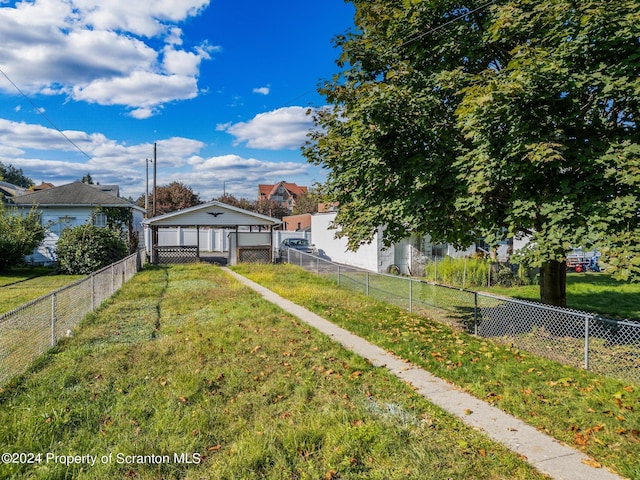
(41,112)
(455,19)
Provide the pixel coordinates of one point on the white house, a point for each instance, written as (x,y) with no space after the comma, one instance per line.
(248,235)
(71,205)
(408,255)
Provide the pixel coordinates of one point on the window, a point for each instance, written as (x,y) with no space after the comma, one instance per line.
(62,223)
(100,220)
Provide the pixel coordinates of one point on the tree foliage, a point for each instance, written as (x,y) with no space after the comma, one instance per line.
(120,220)
(86,248)
(87,179)
(269,208)
(308,203)
(519,118)
(15,176)
(171,198)
(19,235)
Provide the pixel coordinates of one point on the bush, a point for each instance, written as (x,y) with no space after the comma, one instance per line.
(84,249)
(474,272)
(19,236)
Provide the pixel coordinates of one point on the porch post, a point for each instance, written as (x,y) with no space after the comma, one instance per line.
(198,241)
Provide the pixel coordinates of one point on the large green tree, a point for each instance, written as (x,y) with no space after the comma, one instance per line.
(461,119)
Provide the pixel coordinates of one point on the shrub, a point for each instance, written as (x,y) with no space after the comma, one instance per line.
(84,249)
(19,235)
(474,272)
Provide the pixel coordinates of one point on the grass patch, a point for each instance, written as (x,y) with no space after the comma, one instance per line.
(591,292)
(21,285)
(186,361)
(598,415)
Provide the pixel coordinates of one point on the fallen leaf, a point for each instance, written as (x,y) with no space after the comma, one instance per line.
(330,475)
(581,439)
(591,462)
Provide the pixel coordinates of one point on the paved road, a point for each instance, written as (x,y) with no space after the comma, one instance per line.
(543,452)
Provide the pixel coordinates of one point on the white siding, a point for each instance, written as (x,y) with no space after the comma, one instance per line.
(372,257)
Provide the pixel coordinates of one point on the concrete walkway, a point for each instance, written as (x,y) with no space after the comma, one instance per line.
(543,452)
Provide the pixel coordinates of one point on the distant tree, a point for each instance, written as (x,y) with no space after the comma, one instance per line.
(309,203)
(243,203)
(87,179)
(13,175)
(19,235)
(172,197)
(270,208)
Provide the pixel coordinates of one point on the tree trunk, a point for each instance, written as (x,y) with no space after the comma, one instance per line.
(553,283)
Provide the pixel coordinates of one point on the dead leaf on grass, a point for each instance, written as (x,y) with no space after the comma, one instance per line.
(580,439)
(591,462)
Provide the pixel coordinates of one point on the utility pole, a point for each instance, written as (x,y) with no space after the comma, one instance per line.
(155,168)
(146,190)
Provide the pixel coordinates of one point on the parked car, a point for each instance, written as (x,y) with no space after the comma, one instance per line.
(301,244)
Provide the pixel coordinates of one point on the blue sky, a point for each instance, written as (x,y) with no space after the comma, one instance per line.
(222,86)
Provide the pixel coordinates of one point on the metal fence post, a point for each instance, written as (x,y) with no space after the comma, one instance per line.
(366,283)
(338,275)
(53,320)
(475,313)
(93,293)
(586,342)
(410,295)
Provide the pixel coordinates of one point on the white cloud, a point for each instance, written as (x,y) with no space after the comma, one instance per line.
(98,52)
(44,155)
(239,176)
(145,90)
(262,90)
(284,128)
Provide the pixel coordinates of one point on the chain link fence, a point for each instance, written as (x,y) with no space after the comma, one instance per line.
(33,328)
(581,339)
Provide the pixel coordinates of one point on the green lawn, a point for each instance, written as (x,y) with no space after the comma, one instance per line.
(591,292)
(21,285)
(186,364)
(598,415)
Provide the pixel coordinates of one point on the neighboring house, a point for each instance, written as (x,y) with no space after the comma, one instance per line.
(284,193)
(43,186)
(409,255)
(297,223)
(71,205)
(9,190)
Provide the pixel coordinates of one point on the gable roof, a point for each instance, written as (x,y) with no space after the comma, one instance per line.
(73,194)
(10,190)
(213,214)
(266,191)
